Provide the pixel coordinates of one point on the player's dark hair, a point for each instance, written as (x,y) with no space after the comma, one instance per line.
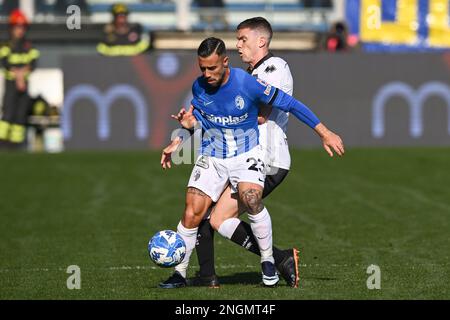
(210,46)
(257,23)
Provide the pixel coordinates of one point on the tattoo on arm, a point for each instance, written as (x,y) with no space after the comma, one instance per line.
(253,200)
(196,191)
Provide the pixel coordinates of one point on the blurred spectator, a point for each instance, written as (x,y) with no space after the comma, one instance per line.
(122,38)
(18,58)
(212,14)
(337,38)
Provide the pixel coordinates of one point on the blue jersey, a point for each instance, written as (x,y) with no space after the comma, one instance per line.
(229,113)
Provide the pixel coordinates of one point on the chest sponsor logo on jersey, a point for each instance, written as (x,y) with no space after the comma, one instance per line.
(229,120)
(239,102)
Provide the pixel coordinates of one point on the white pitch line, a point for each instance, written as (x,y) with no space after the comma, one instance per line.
(115,268)
(229,266)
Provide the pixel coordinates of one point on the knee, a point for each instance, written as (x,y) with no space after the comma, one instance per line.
(192,217)
(197,204)
(252,199)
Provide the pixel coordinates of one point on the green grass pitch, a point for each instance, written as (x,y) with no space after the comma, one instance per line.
(97,210)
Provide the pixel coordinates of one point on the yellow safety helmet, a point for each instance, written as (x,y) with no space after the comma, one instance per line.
(119,8)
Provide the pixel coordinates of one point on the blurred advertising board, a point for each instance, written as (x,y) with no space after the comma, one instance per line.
(371,100)
(400,25)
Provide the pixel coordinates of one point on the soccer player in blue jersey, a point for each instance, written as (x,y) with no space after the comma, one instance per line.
(226,104)
(253,40)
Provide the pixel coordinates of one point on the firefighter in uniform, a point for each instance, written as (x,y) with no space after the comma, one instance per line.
(18,58)
(122,38)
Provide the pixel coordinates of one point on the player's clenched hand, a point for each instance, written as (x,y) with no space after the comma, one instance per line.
(185,118)
(330,140)
(166,157)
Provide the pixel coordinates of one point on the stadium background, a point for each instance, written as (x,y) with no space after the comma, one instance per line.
(90,191)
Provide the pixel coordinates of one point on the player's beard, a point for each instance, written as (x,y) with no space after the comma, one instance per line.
(222,78)
(220,81)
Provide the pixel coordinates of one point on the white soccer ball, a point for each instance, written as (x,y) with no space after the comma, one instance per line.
(166,248)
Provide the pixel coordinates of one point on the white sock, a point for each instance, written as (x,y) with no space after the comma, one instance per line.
(189,236)
(262,229)
(228,227)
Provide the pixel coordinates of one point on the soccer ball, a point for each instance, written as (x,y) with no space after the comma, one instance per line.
(166,248)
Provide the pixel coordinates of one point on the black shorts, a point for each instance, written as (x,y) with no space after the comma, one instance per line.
(272,181)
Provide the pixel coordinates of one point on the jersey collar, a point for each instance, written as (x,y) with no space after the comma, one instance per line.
(260,62)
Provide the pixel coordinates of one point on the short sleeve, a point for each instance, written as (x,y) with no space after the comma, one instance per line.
(287,83)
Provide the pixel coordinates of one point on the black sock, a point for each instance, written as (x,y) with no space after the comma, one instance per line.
(244,237)
(278,255)
(205,248)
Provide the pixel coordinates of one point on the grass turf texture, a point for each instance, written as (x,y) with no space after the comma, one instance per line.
(389,207)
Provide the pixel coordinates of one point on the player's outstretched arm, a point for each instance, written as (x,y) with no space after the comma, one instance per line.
(330,140)
(186,118)
(166,157)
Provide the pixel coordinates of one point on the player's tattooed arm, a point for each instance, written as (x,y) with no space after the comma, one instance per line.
(252,199)
(196,192)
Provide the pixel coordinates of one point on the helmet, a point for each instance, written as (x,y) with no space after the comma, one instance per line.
(119,8)
(17,18)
